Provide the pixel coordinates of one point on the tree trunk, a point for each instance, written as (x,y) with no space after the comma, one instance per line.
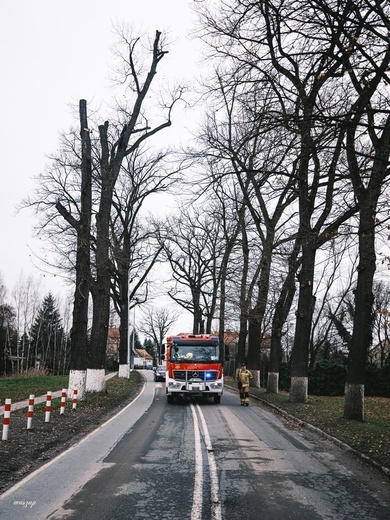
(222,307)
(304,313)
(78,335)
(282,309)
(110,164)
(257,314)
(242,335)
(101,286)
(123,350)
(96,380)
(255,382)
(354,401)
(198,324)
(99,334)
(254,334)
(244,306)
(368,197)
(363,319)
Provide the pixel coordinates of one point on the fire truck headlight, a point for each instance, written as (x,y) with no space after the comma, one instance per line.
(174,384)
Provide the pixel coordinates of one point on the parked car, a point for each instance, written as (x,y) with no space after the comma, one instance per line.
(159,373)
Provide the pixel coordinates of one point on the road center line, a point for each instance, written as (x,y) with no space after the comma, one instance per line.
(216,511)
(197,499)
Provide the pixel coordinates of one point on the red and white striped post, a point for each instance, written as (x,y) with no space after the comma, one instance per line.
(6,419)
(48,407)
(63,400)
(30,411)
(74,399)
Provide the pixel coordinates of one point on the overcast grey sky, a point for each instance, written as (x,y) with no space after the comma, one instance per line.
(52,54)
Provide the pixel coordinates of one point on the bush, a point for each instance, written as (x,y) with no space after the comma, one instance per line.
(377,381)
(327,378)
(284,376)
(111,364)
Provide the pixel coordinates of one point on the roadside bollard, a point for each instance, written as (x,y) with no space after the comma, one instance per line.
(30,411)
(63,400)
(74,399)
(6,419)
(48,407)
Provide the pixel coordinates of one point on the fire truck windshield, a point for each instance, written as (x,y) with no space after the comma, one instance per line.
(203,353)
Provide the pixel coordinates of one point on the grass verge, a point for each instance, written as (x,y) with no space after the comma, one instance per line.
(371,438)
(19,389)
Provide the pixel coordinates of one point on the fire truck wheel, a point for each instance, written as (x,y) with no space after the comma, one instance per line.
(217,399)
(170,398)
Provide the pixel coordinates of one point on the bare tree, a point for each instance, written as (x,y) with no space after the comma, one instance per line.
(82,227)
(25,298)
(334,273)
(156,325)
(342,319)
(257,158)
(194,247)
(105,156)
(114,150)
(8,332)
(133,250)
(367,59)
(277,48)
(282,308)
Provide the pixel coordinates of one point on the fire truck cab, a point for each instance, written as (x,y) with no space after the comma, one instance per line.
(193,366)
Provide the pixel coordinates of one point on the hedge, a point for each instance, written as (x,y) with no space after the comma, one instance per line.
(327,378)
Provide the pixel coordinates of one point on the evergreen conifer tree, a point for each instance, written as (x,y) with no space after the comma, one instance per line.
(48,339)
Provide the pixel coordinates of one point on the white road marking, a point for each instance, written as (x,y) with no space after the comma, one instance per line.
(196,512)
(216,512)
(197,500)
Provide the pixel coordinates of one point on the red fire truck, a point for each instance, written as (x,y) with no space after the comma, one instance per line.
(193,366)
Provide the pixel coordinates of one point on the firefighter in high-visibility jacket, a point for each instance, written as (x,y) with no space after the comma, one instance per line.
(243,377)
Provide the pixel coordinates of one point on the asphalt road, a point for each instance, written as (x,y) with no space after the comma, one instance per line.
(195,460)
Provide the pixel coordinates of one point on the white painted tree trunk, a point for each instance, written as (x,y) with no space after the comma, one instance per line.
(77,381)
(354,402)
(255,382)
(96,380)
(299,390)
(124,371)
(273,382)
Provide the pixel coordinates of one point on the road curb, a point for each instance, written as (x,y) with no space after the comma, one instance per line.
(317,430)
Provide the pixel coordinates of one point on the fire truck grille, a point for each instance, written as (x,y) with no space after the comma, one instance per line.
(195,375)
